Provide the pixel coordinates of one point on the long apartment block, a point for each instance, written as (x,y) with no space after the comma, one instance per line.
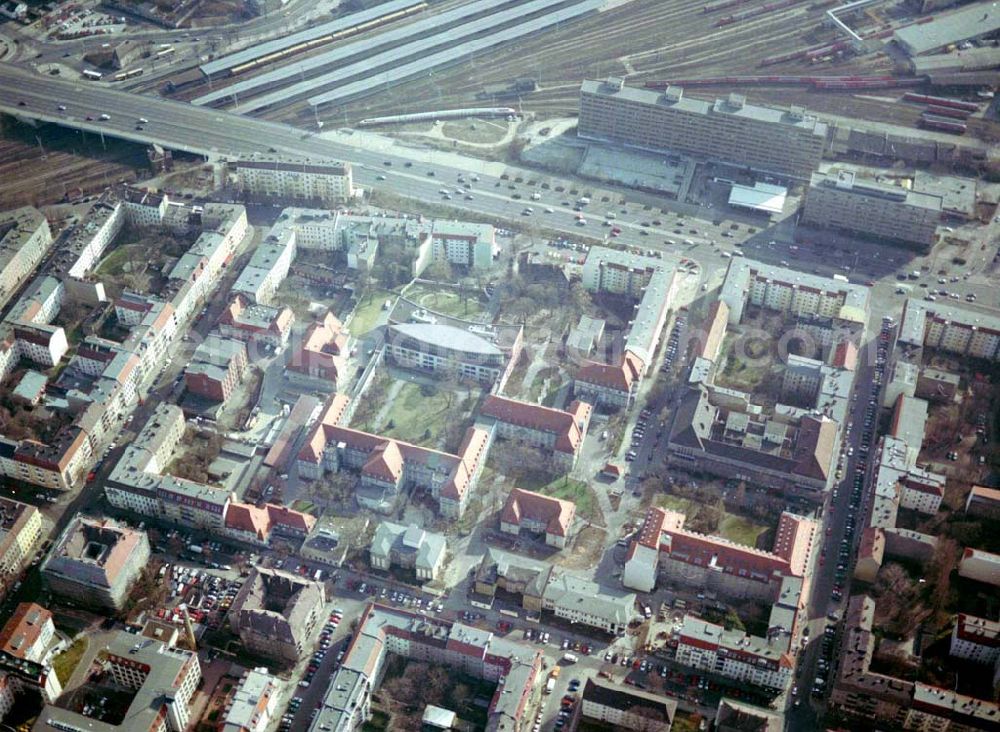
(788,142)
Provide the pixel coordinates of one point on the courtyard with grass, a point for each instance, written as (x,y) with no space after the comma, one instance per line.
(568,489)
(367,313)
(422,413)
(67,661)
(700,517)
(447,301)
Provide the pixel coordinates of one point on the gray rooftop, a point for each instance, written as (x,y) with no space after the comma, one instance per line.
(157,691)
(698,106)
(428,548)
(972,21)
(847,180)
(447,336)
(309,34)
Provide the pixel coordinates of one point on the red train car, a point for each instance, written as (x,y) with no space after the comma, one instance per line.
(943,124)
(948,112)
(940,101)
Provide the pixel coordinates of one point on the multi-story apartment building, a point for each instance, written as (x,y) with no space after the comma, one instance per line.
(95,562)
(980,566)
(256,324)
(538,514)
(25,238)
(254,704)
(786,142)
(984,502)
(651,281)
(713,563)
(410,547)
(144,208)
(543,587)
(966,330)
(719,431)
(268,267)
(302,179)
(975,639)
(163,680)
(446,349)
(463,243)
(216,368)
(386,466)
(880,700)
(791,291)
(560,432)
(381,630)
(20,536)
(275,613)
(734,654)
(319,360)
(841,199)
(626,707)
(28,633)
(26,643)
(611,385)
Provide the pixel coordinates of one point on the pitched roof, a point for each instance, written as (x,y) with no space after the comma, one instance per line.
(731,558)
(794,539)
(385,462)
(249,519)
(21,631)
(318,438)
(718,320)
(846,356)
(285,516)
(556,513)
(872,545)
(621,376)
(535,417)
(814,445)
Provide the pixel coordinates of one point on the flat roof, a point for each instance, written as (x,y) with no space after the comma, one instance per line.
(851,180)
(279,44)
(760,197)
(447,336)
(697,106)
(972,21)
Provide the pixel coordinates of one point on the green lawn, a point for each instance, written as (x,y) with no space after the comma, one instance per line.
(739,529)
(368,312)
(113,263)
(66,662)
(446,302)
(413,414)
(303,505)
(732,526)
(571,489)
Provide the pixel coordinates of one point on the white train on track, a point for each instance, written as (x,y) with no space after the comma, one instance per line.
(398,119)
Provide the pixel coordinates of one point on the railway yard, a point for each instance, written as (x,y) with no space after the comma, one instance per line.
(648,40)
(406,57)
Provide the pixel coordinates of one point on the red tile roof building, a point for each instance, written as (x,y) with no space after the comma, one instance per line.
(322,355)
(609,384)
(28,632)
(256,525)
(718,564)
(255,323)
(387,465)
(560,431)
(984,502)
(538,513)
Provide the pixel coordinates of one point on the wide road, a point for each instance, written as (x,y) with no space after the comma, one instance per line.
(422,175)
